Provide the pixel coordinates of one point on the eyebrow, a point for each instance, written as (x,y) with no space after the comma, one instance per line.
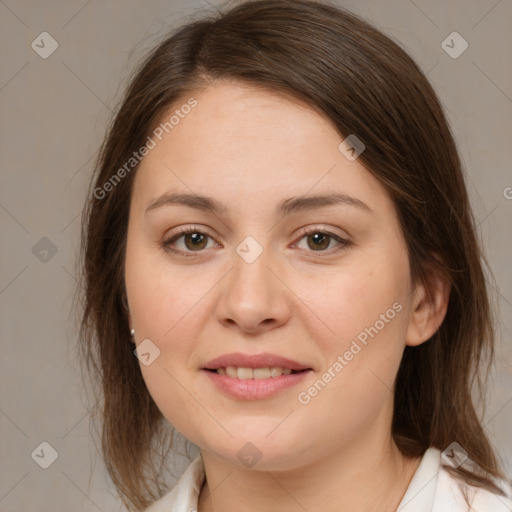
(285,207)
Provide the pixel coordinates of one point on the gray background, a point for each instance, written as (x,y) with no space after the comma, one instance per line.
(54,112)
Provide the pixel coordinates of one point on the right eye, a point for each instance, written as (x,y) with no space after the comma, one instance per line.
(194,240)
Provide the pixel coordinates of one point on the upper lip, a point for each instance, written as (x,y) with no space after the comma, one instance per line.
(254,361)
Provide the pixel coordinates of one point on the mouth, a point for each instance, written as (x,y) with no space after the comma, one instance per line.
(245,373)
(247,384)
(254,376)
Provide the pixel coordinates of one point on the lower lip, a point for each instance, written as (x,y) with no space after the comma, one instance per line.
(255,389)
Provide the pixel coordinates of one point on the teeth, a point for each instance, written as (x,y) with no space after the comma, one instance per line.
(245,373)
(261,373)
(253,373)
(232,372)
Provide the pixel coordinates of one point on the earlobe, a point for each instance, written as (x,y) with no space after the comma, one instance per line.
(132,330)
(429,308)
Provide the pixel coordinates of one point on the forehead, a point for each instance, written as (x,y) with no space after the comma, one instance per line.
(231,120)
(249,146)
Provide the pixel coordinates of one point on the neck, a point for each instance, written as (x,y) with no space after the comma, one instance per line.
(362,476)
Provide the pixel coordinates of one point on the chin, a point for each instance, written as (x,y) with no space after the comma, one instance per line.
(260,454)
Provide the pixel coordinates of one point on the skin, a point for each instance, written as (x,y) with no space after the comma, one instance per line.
(249,149)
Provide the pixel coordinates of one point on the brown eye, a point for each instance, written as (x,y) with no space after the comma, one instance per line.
(321,242)
(318,241)
(194,240)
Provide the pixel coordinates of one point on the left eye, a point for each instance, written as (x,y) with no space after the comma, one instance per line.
(196,240)
(318,241)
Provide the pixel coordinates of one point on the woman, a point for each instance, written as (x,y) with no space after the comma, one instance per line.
(280,231)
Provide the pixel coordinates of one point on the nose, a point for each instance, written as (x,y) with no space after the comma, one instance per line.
(253,296)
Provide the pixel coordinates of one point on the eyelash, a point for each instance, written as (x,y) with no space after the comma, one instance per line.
(166,244)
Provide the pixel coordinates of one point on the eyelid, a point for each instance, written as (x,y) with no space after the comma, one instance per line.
(321,228)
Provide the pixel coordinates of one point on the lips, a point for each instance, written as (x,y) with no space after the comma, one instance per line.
(256,376)
(264,360)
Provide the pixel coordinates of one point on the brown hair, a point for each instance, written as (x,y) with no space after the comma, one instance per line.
(368,86)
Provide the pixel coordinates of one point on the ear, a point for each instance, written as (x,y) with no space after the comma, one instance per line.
(429,306)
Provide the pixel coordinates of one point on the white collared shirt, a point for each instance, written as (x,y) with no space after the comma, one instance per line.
(432,489)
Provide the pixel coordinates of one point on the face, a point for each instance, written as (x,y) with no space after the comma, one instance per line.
(323,284)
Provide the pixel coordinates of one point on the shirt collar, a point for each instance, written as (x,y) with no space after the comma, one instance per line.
(420,494)
(185,495)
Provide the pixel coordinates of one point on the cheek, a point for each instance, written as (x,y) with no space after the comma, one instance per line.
(162,296)
(176,397)
(168,306)
(363,312)
(361,358)
(349,302)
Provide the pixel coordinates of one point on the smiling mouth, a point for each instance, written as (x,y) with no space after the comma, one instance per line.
(244,373)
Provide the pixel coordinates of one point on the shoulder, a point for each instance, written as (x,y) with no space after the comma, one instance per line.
(184,496)
(434,489)
(450,495)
